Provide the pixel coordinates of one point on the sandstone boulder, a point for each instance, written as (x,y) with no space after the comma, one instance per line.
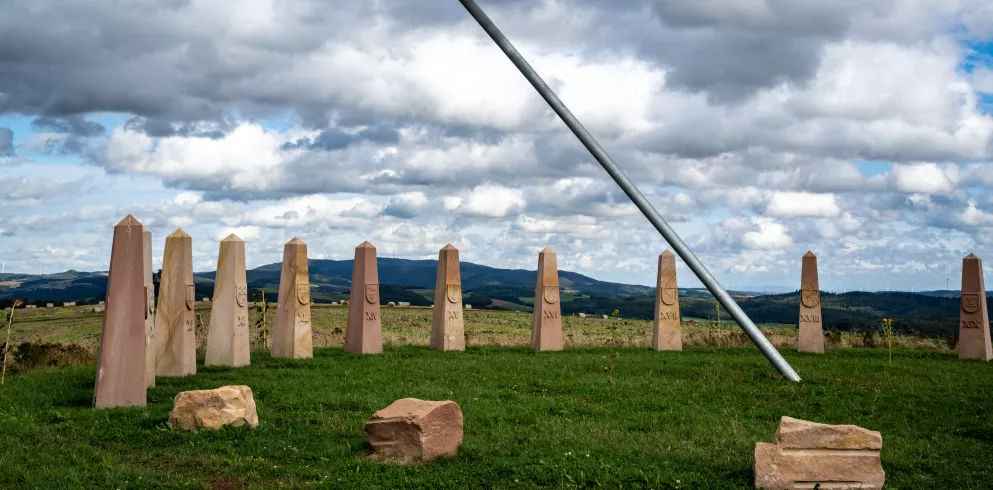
(417,429)
(211,409)
(808,453)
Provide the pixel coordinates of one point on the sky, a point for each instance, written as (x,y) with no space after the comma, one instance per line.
(860,130)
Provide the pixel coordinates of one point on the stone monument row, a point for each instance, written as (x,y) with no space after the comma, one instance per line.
(447,325)
(293,337)
(175,335)
(227,339)
(149,312)
(120,379)
(667,332)
(974,320)
(364,329)
(811,332)
(546,320)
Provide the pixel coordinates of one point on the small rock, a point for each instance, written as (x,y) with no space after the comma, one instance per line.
(211,409)
(417,429)
(808,454)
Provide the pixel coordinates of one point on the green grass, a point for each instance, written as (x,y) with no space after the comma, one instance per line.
(671,420)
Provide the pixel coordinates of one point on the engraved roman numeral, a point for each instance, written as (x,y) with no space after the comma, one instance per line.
(971,324)
(453,315)
(371,315)
(551,314)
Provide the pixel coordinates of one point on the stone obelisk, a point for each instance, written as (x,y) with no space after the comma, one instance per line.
(811,336)
(667,332)
(447,326)
(546,321)
(364,331)
(175,335)
(149,313)
(293,336)
(120,379)
(227,340)
(974,322)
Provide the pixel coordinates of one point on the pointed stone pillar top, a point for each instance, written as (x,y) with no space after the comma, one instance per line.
(128,220)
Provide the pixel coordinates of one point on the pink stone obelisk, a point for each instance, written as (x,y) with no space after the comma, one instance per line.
(364,331)
(667,331)
(293,336)
(974,320)
(227,340)
(149,313)
(175,335)
(546,320)
(811,332)
(120,379)
(447,326)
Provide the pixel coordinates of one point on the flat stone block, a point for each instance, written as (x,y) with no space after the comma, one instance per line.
(808,454)
(418,429)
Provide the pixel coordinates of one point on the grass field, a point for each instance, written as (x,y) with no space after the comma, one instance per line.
(80,327)
(670,420)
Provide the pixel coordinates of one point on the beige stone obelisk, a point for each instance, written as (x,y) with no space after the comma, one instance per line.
(668,334)
(364,331)
(811,331)
(175,335)
(120,379)
(227,340)
(546,320)
(974,320)
(447,326)
(149,312)
(293,336)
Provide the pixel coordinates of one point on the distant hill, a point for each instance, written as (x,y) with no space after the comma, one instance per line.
(929,313)
(330,280)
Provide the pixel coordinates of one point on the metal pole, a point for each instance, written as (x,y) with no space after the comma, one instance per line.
(633,193)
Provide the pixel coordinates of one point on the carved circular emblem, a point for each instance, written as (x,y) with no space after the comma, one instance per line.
(191,294)
(372,293)
(551,294)
(454,293)
(669,296)
(303,293)
(971,302)
(809,297)
(241,294)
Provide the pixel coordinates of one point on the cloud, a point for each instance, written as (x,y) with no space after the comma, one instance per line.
(406,205)
(759,129)
(925,178)
(490,201)
(770,235)
(7,143)
(803,204)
